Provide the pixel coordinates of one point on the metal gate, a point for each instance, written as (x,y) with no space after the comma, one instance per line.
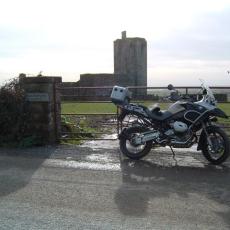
(103,125)
(90,126)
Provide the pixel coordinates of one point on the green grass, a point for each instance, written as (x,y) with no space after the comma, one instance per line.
(86,108)
(79,108)
(75,107)
(226,108)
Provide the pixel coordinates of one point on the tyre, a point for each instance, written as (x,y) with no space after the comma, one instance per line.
(134,151)
(221,146)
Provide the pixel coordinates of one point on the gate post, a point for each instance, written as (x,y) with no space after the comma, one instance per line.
(43,97)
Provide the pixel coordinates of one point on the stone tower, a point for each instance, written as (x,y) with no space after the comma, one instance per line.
(130,61)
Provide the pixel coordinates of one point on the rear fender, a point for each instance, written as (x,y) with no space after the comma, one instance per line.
(122,114)
(123,134)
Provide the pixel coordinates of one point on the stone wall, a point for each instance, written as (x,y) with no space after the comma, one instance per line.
(45,107)
(69,92)
(96,80)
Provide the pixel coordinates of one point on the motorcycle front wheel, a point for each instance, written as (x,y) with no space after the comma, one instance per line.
(220,149)
(134,151)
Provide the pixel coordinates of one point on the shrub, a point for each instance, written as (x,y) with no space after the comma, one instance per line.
(13,114)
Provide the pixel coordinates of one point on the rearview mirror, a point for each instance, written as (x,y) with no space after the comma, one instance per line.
(204,92)
(170,87)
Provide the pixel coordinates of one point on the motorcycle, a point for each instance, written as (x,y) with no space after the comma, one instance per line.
(183,124)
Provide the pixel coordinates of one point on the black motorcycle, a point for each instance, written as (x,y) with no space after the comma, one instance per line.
(184,124)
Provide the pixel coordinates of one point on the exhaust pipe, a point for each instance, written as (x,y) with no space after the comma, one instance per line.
(144,137)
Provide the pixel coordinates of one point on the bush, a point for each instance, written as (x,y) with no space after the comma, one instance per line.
(13,114)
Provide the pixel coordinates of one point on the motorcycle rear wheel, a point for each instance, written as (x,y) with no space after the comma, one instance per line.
(222,146)
(133,151)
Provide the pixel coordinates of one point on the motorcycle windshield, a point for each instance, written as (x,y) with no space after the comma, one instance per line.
(210,98)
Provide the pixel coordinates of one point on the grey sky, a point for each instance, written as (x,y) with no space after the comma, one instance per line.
(208,38)
(201,50)
(187,40)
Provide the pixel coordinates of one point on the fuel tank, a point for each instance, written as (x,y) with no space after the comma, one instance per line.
(176,107)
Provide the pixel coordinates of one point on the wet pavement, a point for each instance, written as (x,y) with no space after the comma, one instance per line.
(93,186)
(162,156)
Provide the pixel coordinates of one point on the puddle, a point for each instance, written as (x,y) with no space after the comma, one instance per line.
(82,165)
(99,158)
(191,149)
(114,144)
(103,144)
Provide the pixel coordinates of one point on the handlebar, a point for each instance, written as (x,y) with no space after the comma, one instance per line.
(176,96)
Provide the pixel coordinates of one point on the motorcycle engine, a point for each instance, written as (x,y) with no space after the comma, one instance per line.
(178,133)
(179,127)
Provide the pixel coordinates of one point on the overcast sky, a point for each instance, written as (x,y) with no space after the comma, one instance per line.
(187,40)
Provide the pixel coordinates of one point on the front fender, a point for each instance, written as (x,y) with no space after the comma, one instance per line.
(202,139)
(218,113)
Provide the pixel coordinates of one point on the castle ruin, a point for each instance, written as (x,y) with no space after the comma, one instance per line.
(130,69)
(130,61)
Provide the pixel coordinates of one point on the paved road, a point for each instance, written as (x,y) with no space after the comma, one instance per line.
(68,187)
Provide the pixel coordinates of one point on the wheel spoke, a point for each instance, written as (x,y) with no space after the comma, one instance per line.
(135,149)
(217,149)
(130,148)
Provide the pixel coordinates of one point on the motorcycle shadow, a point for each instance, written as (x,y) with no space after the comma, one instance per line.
(144,180)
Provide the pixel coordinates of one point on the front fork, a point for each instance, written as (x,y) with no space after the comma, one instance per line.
(204,126)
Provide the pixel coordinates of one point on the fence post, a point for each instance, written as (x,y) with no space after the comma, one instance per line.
(43,97)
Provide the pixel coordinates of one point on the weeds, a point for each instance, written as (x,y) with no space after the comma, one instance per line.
(14,116)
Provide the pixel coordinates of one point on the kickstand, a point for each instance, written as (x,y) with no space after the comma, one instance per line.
(174,156)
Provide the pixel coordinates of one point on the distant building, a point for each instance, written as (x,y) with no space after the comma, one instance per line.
(130,69)
(130,61)
(97,79)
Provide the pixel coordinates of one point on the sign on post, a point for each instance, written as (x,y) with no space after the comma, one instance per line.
(37,97)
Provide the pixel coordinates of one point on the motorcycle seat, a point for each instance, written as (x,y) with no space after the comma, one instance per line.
(156,109)
(158,115)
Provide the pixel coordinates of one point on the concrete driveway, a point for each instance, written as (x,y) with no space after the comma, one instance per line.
(95,187)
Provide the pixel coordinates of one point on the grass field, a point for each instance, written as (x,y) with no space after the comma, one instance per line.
(79,108)
(75,107)
(94,108)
